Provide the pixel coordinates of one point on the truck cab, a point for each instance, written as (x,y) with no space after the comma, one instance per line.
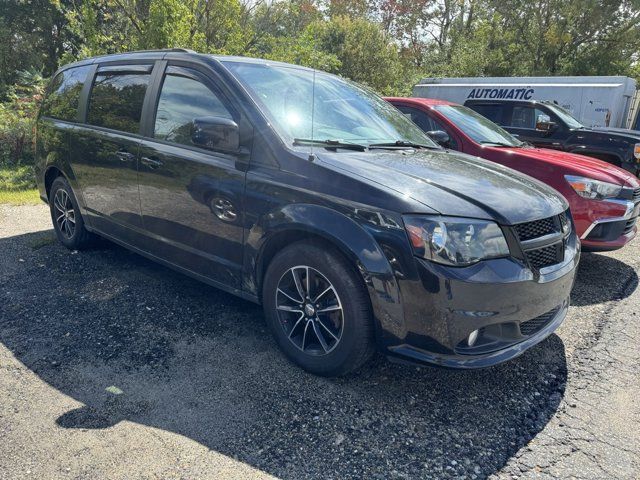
(547,125)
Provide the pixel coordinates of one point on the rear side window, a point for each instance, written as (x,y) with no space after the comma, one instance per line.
(492,112)
(116,100)
(64,94)
(183,99)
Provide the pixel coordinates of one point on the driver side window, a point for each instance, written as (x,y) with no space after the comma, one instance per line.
(427,124)
(525,117)
(183,99)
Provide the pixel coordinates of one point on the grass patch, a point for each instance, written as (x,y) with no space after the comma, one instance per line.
(20,197)
(18,186)
(17,178)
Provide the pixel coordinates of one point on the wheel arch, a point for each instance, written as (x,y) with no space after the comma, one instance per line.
(51,173)
(315,223)
(324,225)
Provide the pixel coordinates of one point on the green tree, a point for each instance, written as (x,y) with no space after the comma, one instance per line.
(34,35)
(365,52)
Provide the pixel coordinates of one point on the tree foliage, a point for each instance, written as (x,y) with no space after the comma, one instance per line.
(386,44)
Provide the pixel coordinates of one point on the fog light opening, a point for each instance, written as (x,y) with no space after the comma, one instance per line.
(473,337)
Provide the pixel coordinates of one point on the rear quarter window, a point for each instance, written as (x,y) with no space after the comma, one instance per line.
(63,94)
(116,100)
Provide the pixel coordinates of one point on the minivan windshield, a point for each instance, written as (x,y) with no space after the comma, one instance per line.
(478,128)
(306,105)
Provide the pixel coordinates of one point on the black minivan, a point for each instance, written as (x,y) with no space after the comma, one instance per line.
(311,195)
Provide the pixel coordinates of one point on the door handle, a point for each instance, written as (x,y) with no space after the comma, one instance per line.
(152,163)
(125,156)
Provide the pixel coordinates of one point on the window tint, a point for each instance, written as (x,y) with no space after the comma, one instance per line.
(427,124)
(492,112)
(64,94)
(116,100)
(525,117)
(182,100)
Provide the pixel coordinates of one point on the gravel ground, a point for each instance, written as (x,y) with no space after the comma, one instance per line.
(114,367)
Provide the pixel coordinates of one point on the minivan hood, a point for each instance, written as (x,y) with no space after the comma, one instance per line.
(453,183)
(574,164)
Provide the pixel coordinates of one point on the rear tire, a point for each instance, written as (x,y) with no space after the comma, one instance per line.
(66,217)
(318,309)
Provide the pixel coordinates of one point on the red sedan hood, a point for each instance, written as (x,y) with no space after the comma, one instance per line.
(577,165)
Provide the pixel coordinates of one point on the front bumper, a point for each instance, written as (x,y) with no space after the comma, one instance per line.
(605,225)
(494,297)
(494,357)
(611,232)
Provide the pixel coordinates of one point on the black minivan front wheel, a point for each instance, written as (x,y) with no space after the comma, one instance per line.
(318,309)
(66,217)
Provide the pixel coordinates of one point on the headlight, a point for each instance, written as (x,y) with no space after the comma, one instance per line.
(593,189)
(455,241)
(636,151)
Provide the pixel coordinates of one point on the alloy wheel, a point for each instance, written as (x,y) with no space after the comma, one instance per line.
(309,310)
(64,213)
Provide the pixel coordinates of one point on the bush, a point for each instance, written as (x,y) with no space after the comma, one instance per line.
(17,115)
(13,179)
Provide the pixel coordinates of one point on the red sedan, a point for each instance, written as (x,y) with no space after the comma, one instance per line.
(604,199)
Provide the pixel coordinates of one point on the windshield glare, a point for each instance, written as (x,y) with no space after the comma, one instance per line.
(565,116)
(307,104)
(478,128)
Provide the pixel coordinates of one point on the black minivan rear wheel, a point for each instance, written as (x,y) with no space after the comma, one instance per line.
(318,309)
(66,217)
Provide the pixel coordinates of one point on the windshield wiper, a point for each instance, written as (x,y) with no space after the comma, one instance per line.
(404,144)
(330,143)
(500,144)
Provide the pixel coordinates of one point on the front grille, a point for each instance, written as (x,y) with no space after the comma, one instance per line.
(539,228)
(636,195)
(534,325)
(542,254)
(543,257)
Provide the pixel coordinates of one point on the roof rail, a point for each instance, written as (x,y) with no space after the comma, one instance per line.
(176,49)
(180,49)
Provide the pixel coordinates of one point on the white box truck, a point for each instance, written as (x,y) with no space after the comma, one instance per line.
(595,101)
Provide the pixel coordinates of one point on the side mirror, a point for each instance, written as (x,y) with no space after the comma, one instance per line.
(216,133)
(544,124)
(440,137)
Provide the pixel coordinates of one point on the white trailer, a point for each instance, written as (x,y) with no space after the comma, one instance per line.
(595,101)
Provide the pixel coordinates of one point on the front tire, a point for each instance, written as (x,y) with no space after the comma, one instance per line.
(66,217)
(318,309)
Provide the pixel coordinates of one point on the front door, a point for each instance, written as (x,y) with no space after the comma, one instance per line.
(191,198)
(522,122)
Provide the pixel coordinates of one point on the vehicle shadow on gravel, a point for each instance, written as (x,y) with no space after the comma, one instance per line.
(602,279)
(135,341)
